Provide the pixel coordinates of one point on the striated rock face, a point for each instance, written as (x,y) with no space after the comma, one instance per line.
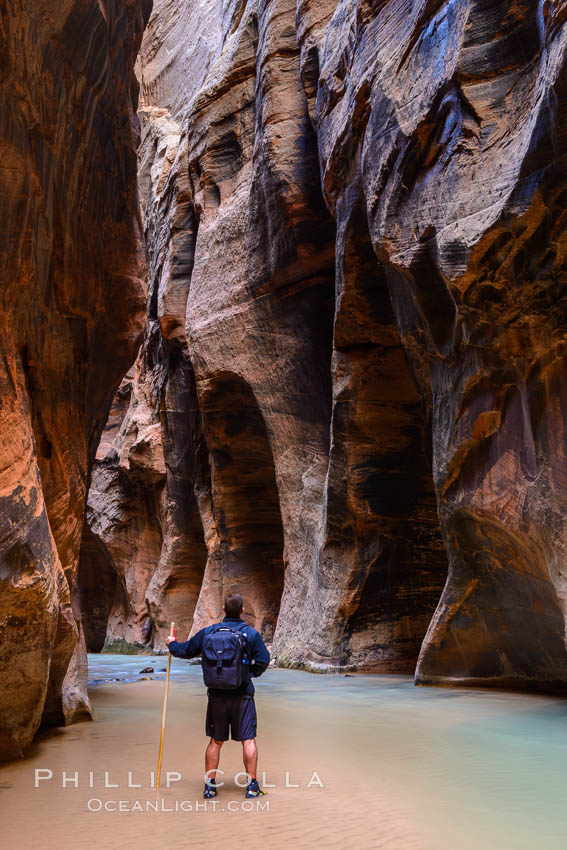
(449,117)
(307,472)
(350,400)
(71,315)
(241,407)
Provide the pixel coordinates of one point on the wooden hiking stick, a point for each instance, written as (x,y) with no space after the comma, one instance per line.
(171,634)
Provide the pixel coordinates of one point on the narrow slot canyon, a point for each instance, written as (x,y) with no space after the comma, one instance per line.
(284,315)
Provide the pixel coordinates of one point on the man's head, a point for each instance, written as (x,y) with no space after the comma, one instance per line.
(233,605)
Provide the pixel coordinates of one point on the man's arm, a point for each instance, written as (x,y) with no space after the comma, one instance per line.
(259,656)
(189,648)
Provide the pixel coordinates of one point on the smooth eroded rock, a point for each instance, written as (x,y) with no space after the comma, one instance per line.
(71,318)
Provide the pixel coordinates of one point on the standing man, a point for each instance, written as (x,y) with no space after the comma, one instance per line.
(234,707)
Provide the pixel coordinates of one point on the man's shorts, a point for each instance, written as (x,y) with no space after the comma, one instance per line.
(238,712)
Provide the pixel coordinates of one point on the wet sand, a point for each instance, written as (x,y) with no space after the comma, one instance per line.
(402,767)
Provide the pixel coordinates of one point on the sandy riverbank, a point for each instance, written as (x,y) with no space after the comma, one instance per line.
(402,768)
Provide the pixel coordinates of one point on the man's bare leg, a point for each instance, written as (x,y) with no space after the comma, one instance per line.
(212,756)
(250,757)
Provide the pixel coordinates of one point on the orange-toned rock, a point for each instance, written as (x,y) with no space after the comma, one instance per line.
(450,117)
(71,317)
(143,518)
(242,296)
(353,369)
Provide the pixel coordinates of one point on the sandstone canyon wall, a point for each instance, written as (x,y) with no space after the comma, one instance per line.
(460,161)
(350,400)
(71,315)
(275,439)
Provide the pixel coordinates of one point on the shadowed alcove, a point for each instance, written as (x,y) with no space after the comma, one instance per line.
(382,522)
(98,585)
(246,498)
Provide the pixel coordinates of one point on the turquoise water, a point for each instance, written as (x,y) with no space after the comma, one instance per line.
(403,768)
(487,767)
(104,669)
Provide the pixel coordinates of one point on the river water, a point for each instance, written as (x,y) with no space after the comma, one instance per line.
(351,761)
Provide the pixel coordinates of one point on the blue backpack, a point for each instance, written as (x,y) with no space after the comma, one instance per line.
(224,658)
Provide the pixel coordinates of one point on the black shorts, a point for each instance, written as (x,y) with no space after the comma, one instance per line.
(238,712)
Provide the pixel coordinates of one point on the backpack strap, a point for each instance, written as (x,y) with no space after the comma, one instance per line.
(245,636)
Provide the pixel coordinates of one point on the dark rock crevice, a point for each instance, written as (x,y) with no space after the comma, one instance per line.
(248,555)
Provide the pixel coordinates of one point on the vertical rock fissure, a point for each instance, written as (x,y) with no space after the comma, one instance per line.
(248,553)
